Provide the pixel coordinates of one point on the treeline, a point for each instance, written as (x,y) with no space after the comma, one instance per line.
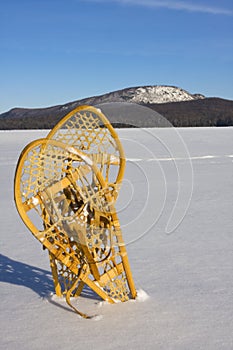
(28,123)
(203,112)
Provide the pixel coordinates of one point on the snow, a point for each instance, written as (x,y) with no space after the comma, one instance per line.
(175,208)
(162,94)
(141,295)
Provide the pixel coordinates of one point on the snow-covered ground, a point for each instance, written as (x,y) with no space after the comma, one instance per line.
(176,213)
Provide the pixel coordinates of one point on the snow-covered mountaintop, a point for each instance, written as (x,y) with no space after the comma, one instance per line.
(188,109)
(145,94)
(162,94)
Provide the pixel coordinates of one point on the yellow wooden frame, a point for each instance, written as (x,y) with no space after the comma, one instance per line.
(47,191)
(107,125)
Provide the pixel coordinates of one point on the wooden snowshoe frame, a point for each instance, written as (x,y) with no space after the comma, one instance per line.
(66,186)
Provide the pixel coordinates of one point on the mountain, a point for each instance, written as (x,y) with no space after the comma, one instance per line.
(124,107)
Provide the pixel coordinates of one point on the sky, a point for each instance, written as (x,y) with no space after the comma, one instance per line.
(57,51)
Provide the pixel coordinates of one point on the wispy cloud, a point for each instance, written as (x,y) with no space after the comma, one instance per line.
(172,5)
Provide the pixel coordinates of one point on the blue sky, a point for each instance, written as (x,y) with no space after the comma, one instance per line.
(58,51)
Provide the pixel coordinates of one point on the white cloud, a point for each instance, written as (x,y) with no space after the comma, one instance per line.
(173,5)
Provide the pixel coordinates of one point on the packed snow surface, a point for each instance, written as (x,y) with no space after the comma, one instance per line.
(175,208)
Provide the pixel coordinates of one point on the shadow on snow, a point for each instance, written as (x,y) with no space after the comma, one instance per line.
(37,279)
